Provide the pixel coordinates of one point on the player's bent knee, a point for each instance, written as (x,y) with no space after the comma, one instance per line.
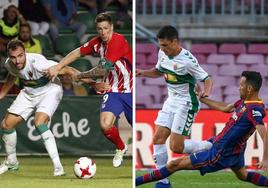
(158,140)
(176,148)
(105,124)
(6,125)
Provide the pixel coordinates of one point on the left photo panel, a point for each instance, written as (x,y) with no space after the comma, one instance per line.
(66,82)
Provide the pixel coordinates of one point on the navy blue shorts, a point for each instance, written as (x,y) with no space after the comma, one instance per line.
(213,160)
(118,103)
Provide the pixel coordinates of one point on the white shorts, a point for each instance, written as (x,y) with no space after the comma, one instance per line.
(25,104)
(176,116)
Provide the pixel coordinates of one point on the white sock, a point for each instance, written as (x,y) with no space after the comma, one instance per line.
(51,148)
(161,158)
(10,141)
(192,146)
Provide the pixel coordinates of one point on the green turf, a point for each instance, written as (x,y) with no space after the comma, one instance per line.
(37,172)
(191,179)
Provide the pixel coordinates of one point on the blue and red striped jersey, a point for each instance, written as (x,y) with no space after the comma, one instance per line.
(241,125)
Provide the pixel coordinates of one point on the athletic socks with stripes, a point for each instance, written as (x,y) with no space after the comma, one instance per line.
(257,179)
(153,176)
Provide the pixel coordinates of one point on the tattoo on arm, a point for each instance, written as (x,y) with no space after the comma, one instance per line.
(92,73)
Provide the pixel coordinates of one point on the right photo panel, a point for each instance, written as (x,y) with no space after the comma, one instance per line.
(201,93)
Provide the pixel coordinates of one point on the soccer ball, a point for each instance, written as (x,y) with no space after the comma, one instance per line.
(84,168)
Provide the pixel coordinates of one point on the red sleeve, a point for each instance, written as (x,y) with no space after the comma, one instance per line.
(118,47)
(88,48)
(238,103)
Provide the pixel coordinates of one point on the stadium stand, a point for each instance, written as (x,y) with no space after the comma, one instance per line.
(62,47)
(82,64)
(225,70)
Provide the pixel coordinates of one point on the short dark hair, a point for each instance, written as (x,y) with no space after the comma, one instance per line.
(103,17)
(14,44)
(168,32)
(253,78)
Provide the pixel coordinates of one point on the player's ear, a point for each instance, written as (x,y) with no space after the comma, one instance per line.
(112,27)
(249,88)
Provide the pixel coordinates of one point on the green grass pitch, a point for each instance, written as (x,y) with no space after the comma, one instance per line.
(192,179)
(38,172)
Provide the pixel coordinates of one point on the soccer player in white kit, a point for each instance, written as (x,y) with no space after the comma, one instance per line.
(39,93)
(181,71)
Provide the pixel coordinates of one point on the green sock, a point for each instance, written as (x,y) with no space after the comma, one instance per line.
(5,131)
(41,128)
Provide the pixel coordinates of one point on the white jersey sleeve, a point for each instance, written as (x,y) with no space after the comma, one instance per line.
(43,63)
(160,55)
(196,70)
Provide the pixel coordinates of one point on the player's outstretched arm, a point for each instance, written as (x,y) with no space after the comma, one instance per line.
(69,71)
(221,106)
(152,73)
(53,71)
(263,133)
(98,86)
(207,87)
(7,86)
(92,73)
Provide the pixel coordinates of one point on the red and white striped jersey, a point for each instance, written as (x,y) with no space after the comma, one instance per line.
(117,51)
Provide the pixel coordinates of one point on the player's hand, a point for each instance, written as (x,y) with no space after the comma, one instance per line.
(75,78)
(101,86)
(106,64)
(198,90)
(52,72)
(138,72)
(264,165)
(1,96)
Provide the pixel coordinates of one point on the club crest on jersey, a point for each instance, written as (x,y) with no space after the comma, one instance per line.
(175,66)
(256,113)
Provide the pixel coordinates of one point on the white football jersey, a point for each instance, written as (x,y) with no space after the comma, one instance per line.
(181,73)
(32,75)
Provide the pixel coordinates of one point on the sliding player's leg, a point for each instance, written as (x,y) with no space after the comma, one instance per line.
(182,163)
(251,177)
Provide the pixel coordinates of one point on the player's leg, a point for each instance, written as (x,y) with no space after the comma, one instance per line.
(10,141)
(45,108)
(163,124)
(127,98)
(111,108)
(20,110)
(41,120)
(181,129)
(179,144)
(182,163)
(251,177)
